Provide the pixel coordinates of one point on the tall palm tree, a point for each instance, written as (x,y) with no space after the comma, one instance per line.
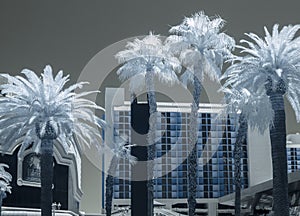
(5,178)
(273,62)
(251,108)
(143,60)
(38,110)
(120,150)
(202,49)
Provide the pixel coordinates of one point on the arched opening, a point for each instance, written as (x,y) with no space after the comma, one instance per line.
(26,183)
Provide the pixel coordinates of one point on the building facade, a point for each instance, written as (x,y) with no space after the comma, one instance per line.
(293,155)
(216,139)
(293,152)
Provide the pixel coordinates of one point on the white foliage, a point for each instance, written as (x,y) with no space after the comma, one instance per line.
(200,45)
(148,55)
(276,56)
(5,178)
(33,101)
(122,150)
(137,83)
(255,106)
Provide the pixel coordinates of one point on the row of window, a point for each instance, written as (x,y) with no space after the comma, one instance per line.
(215,150)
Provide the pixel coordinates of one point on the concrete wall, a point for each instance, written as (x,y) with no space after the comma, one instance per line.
(94,164)
(259,157)
(91,201)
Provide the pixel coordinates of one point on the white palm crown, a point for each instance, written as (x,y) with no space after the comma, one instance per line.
(122,150)
(33,102)
(5,179)
(147,55)
(255,107)
(143,60)
(275,58)
(201,46)
(202,49)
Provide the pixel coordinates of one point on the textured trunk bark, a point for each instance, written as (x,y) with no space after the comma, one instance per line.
(110,185)
(151,136)
(193,138)
(241,138)
(279,156)
(1,201)
(46,167)
(2,196)
(46,176)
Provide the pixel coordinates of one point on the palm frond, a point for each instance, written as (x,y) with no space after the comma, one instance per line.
(137,82)
(187,77)
(147,55)
(122,149)
(256,106)
(275,57)
(34,101)
(198,41)
(5,178)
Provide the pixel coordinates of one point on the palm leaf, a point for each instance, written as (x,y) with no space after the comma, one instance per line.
(33,102)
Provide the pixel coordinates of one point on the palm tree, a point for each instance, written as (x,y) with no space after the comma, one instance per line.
(121,150)
(5,178)
(38,110)
(202,49)
(273,62)
(143,60)
(251,109)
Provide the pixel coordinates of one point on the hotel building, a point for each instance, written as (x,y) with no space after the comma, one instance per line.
(216,139)
(215,176)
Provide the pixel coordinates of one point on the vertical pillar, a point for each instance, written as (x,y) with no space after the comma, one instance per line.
(139,129)
(212,208)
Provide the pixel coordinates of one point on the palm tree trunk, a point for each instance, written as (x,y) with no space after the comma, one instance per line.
(46,176)
(2,196)
(241,138)
(151,136)
(46,167)
(279,157)
(193,138)
(1,201)
(110,185)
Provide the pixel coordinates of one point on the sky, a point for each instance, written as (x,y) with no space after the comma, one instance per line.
(69,34)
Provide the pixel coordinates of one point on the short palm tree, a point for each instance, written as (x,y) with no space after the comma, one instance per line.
(38,110)
(251,108)
(202,49)
(143,60)
(5,179)
(273,62)
(120,150)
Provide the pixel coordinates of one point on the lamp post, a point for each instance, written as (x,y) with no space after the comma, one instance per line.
(54,205)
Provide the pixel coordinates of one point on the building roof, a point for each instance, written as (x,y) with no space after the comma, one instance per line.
(177,107)
(260,195)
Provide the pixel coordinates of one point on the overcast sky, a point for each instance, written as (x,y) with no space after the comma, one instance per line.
(68,33)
